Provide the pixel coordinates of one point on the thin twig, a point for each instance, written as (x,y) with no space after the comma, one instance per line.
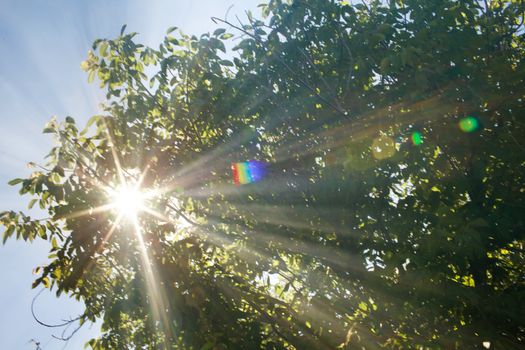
(66,323)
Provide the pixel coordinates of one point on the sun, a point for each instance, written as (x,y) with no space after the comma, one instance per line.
(128,200)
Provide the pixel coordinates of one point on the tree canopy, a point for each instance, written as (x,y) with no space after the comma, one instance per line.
(390,213)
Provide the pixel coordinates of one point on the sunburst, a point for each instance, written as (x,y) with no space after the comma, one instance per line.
(129,201)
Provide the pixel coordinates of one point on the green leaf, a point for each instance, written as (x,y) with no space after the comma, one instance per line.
(171,30)
(8,233)
(32,203)
(207,346)
(93,119)
(104,48)
(226,63)
(172,40)
(219,31)
(363,306)
(15,182)
(356,220)
(217,44)
(42,232)
(91,76)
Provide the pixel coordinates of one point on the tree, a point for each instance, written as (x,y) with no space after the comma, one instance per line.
(391,212)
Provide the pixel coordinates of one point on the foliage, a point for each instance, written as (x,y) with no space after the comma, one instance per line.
(356,238)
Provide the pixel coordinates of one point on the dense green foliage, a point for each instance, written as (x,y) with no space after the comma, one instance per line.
(392,212)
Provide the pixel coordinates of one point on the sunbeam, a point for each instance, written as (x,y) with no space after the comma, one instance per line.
(331,183)
(160,307)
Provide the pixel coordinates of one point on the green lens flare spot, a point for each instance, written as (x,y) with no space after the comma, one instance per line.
(417,138)
(469,124)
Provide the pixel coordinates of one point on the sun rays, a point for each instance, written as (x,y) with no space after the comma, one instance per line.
(134,205)
(137,206)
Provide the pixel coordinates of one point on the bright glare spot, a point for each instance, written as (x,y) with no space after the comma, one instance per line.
(128,201)
(486,344)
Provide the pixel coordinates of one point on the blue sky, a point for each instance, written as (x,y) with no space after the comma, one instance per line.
(42,43)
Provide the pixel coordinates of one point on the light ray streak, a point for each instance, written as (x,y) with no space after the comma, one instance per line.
(431,109)
(218,153)
(87,212)
(286,216)
(278,184)
(318,312)
(363,127)
(216,159)
(157,297)
(114,154)
(352,265)
(359,276)
(107,236)
(142,175)
(159,303)
(272,318)
(92,180)
(187,175)
(360,128)
(205,232)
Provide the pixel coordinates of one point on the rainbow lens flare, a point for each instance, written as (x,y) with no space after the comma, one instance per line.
(417,138)
(248,172)
(469,124)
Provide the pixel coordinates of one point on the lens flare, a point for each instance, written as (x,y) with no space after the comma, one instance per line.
(469,124)
(417,138)
(248,172)
(383,147)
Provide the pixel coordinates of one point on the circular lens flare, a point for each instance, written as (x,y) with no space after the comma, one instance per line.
(128,201)
(469,124)
(383,147)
